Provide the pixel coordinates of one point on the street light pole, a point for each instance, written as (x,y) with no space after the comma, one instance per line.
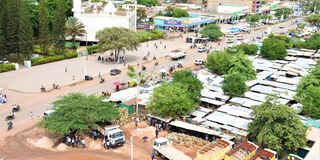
(135,15)
(131,147)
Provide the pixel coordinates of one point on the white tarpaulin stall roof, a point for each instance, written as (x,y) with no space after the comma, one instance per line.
(226,119)
(192,127)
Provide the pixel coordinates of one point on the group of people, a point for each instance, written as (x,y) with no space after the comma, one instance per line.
(121,59)
(159,125)
(3,98)
(74,140)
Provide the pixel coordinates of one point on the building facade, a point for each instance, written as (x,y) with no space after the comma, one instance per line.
(97,16)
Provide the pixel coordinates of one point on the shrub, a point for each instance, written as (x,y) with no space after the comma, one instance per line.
(7,67)
(42,60)
(93,49)
(273,49)
(154,35)
(234,84)
(219,62)
(249,49)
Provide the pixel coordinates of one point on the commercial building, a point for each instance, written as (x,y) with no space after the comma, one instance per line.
(97,16)
(194,22)
(244,151)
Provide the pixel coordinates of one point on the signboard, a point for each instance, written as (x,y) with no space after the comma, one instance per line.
(172,22)
(185,22)
(144,26)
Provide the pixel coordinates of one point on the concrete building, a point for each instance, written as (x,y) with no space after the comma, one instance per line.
(97,16)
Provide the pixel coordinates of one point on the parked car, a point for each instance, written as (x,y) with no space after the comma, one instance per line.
(230,35)
(202,49)
(240,37)
(115,71)
(282,26)
(199,62)
(230,40)
(4,61)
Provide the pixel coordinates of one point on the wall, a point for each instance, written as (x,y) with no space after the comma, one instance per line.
(98,22)
(213,4)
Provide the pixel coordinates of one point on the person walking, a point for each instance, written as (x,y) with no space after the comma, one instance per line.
(157,132)
(31,115)
(94,135)
(65,69)
(152,156)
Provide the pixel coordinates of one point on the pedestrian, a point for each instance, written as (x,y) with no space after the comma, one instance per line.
(65,69)
(68,141)
(107,144)
(73,77)
(31,115)
(94,135)
(156,47)
(165,46)
(157,133)
(72,142)
(160,42)
(83,142)
(152,156)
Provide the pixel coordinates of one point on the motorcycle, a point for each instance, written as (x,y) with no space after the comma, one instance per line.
(101,80)
(10,117)
(16,108)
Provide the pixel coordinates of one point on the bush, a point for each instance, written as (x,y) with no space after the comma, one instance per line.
(7,67)
(93,49)
(242,64)
(273,49)
(218,62)
(154,35)
(313,42)
(234,84)
(249,49)
(43,60)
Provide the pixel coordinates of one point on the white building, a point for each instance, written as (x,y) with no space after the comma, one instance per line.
(97,16)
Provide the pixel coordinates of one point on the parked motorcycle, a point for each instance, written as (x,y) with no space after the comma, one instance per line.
(10,116)
(16,108)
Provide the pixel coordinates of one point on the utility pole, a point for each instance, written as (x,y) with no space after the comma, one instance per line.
(131,148)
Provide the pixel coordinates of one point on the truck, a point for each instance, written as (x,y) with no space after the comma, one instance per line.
(177,54)
(163,147)
(113,134)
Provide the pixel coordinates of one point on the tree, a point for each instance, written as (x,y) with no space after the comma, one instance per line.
(234,84)
(117,39)
(266,17)
(58,28)
(188,79)
(287,40)
(310,102)
(171,99)
(277,126)
(314,19)
(252,19)
(44,40)
(283,13)
(242,64)
(177,13)
(77,111)
(211,31)
(313,42)
(301,25)
(218,62)
(74,29)
(249,49)
(148,2)
(141,13)
(2,45)
(273,48)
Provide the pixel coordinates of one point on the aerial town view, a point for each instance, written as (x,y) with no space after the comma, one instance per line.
(160,79)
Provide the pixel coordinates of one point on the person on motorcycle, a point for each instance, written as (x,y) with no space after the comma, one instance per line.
(10,125)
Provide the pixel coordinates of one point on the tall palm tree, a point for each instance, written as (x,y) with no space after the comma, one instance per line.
(74,28)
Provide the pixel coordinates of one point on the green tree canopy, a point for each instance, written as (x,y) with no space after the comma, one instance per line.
(252,19)
(277,126)
(211,31)
(301,25)
(313,42)
(58,28)
(273,48)
(307,86)
(287,40)
(148,2)
(283,12)
(190,80)
(117,39)
(77,111)
(141,13)
(242,64)
(44,37)
(234,84)
(74,28)
(249,49)
(314,19)
(177,13)
(218,62)
(171,99)
(310,102)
